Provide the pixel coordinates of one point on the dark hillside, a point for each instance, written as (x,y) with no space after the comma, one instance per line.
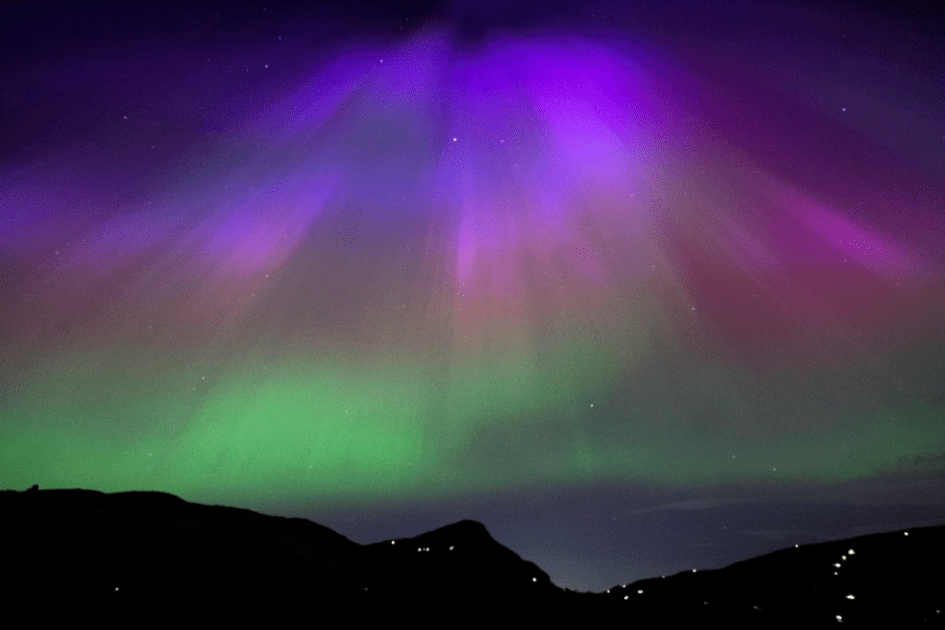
(82,554)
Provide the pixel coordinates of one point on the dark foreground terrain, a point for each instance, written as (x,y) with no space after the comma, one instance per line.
(135,558)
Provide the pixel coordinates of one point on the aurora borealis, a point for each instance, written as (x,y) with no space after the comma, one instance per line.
(504,261)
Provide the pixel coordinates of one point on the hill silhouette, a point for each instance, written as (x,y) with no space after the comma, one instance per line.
(148,557)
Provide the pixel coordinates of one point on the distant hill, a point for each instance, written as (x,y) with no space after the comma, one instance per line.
(133,558)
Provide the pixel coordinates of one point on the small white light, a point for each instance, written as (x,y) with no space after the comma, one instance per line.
(837,564)
(843,557)
(534,579)
(839,619)
(795,546)
(693,570)
(640,592)
(626,597)
(851,552)
(451,547)
(393,542)
(850,597)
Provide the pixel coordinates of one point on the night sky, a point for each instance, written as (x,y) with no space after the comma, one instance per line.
(641,286)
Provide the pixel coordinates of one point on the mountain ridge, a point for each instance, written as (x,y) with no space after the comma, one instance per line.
(114,555)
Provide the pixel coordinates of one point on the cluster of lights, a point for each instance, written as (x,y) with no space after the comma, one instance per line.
(844,557)
(836,565)
(839,618)
(427,548)
(394,542)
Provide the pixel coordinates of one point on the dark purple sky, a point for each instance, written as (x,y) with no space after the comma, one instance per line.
(641,286)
